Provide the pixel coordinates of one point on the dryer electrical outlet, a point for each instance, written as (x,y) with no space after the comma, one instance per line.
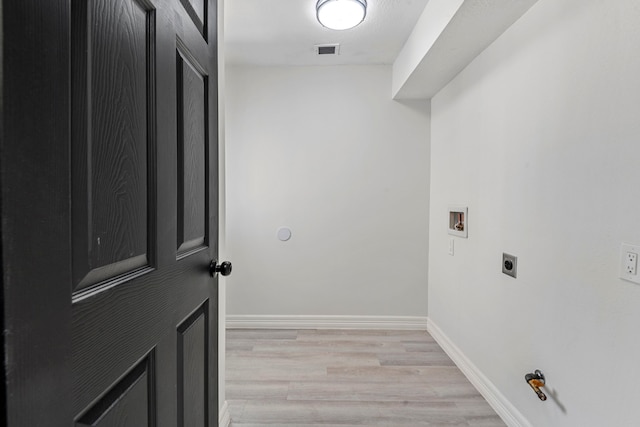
(510,265)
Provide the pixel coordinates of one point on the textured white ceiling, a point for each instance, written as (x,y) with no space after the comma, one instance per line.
(284,32)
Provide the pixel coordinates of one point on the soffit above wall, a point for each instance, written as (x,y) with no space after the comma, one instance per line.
(447,37)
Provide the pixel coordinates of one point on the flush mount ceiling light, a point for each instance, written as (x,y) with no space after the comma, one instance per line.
(341,14)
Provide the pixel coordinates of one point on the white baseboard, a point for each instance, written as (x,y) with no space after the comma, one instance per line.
(505,409)
(224,418)
(327,322)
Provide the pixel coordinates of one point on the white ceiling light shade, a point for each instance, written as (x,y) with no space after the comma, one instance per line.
(341,14)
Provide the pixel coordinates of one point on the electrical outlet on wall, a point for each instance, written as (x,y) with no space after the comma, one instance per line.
(629,262)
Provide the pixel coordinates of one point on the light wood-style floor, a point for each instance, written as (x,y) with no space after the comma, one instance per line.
(343,378)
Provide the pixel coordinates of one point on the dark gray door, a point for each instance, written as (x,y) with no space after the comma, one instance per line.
(109,212)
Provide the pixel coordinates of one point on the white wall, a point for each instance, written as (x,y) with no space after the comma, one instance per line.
(325,151)
(540,136)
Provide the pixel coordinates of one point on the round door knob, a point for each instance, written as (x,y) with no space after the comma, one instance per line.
(223,268)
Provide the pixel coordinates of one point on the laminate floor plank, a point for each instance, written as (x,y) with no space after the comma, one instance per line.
(421,346)
(420,374)
(336,346)
(297,359)
(429,358)
(354,413)
(277,373)
(255,390)
(263,334)
(347,378)
(364,335)
(356,391)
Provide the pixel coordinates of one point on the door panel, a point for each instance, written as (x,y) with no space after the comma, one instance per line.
(197,10)
(193,389)
(131,402)
(118,323)
(113,139)
(192,97)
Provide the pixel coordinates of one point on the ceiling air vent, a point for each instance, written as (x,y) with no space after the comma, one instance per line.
(328,49)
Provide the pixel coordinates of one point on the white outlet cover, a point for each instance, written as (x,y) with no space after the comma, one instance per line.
(626,248)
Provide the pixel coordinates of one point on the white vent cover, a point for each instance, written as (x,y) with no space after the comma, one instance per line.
(327,49)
